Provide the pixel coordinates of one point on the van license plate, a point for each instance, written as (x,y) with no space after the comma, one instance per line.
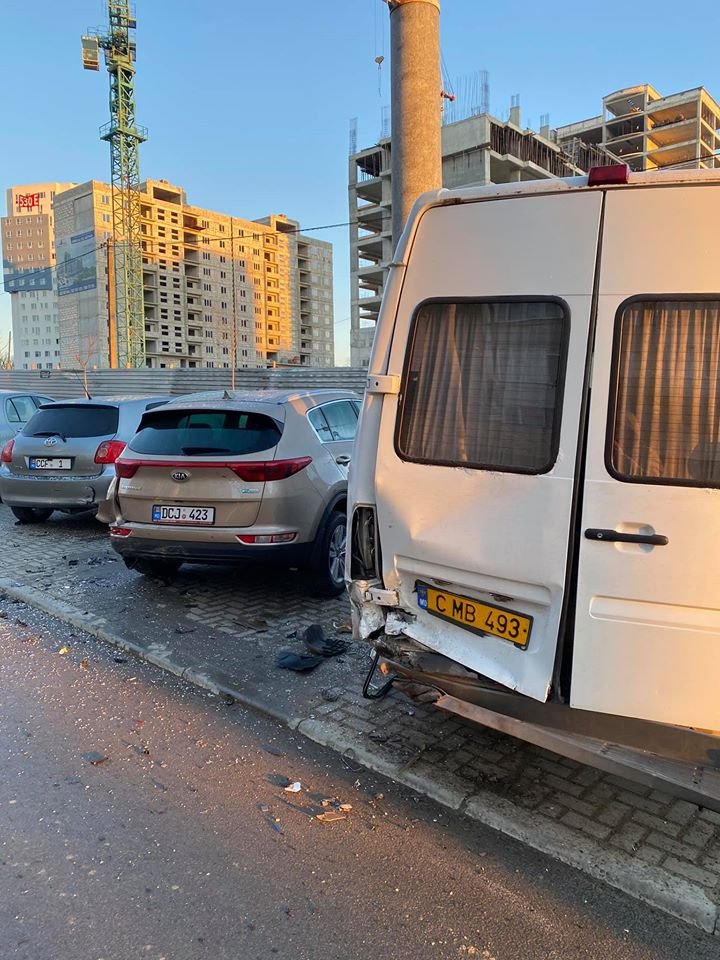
(478,617)
(49,463)
(201,516)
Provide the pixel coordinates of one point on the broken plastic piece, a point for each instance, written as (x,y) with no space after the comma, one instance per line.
(94,757)
(316,641)
(300,662)
(63,650)
(293,787)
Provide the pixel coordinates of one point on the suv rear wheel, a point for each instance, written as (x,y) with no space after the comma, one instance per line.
(31,514)
(329,576)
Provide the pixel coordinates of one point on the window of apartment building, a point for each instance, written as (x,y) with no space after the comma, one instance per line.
(221,227)
(221,244)
(223,274)
(161,231)
(244,353)
(223,289)
(175,235)
(207,303)
(173,218)
(242,278)
(175,251)
(207,318)
(205,223)
(222,258)
(223,305)
(206,241)
(206,255)
(175,266)
(162,248)
(208,334)
(207,286)
(161,214)
(106,218)
(243,308)
(206,271)
(105,199)
(209,348)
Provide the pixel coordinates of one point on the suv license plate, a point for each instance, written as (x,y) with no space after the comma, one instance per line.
(49,463)
(202,516)
(478,617)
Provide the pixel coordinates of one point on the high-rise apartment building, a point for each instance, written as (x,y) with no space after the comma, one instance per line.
(649,131)
(28,250)
(217,290)
(477,150)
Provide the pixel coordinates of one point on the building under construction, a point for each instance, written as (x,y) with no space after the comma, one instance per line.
(476,150)
(637,126)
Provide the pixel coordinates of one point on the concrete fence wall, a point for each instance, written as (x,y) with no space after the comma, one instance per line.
(63,384)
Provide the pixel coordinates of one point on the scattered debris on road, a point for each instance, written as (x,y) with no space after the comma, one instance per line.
(299,662)
(295,787)
(94,757)
(315,640)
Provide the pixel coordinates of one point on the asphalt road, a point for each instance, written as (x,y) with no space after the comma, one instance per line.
(142,819)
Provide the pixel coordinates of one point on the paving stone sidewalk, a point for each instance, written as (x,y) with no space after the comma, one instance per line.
(223,628)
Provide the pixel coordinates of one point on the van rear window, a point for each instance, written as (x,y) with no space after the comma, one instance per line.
(204,433)
(483,385)
(73,420)
(665,406)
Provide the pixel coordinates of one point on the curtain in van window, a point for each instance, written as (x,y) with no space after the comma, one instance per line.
(483,385)
(667,408)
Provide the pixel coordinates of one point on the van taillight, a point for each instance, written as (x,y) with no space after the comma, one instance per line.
(7,450)
(109,451)
(617,173)
(364,545)
(126,468)
(260,471)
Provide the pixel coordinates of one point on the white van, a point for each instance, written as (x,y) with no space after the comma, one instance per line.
(535,489)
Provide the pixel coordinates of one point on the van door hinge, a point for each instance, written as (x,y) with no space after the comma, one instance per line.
(387,383)
(386,598)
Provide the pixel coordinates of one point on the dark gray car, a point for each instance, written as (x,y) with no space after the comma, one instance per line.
(63,458)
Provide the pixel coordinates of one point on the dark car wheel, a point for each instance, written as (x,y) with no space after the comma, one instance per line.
(32,514)
(329,575)
(154,568)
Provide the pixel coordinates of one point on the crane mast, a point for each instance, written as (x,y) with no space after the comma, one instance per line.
(124,136)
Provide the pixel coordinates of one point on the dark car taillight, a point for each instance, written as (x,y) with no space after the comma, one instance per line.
(126,468)
(263,471)
(109,451)
(7,452)
(365,561)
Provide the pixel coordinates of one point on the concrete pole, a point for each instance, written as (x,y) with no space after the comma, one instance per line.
(415,104)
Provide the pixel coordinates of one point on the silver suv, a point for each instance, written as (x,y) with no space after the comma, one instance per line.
(243,476)
(63,458)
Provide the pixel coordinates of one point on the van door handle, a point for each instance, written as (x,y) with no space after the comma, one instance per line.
(612,536)
(343,460)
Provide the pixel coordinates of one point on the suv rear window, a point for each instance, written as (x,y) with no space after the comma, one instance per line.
(73,421)
(205,433)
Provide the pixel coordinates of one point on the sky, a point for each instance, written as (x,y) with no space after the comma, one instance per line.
(248,102)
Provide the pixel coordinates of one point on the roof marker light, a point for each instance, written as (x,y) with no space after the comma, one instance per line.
(617,173)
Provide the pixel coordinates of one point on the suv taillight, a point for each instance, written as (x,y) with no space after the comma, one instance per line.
(7,450)
(109,451)
(126,468)
(264,471)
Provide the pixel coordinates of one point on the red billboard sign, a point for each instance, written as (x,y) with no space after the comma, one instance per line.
(28,200)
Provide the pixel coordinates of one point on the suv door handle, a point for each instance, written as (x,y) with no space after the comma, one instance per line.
(612,536)
(343,460)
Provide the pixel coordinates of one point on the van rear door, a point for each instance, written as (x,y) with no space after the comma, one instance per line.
(477,454)
(647,636)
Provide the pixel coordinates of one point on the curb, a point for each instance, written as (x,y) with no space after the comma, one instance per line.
(647,883)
